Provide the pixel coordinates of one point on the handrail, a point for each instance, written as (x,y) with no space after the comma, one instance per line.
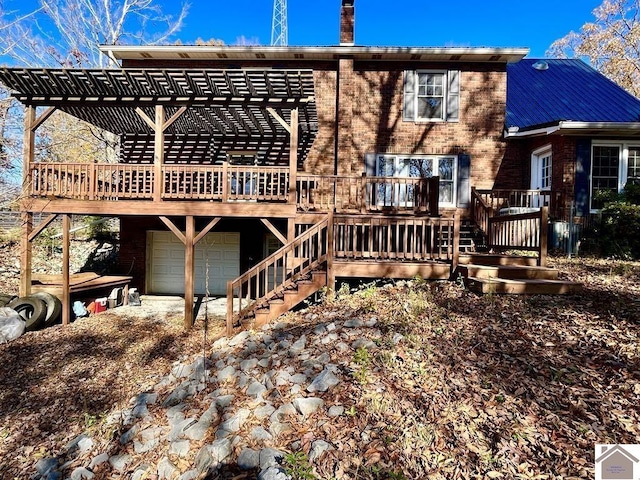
(307,252)
(360,194)
(501,200)
(481,211)
(523,231)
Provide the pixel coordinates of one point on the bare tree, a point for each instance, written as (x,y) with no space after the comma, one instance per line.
(68,33)
(611,43)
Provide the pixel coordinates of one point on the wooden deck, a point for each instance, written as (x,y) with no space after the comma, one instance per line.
(228,190)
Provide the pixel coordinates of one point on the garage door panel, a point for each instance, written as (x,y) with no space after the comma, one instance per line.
(221,250)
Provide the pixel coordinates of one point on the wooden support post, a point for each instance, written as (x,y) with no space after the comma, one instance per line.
(230,308)
(331,274)
(26,253)
(293,157)
(455,255)
(225,182)
(544,233)
(363,193)
(158,154)
(66,293)
(291,229)
(28,150)
(189,264)
(434,196)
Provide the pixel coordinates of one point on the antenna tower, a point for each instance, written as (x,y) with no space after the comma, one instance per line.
(279,34)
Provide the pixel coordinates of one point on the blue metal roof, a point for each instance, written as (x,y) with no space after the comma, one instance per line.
(568,90)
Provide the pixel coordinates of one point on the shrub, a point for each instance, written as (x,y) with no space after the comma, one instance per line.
(620,230)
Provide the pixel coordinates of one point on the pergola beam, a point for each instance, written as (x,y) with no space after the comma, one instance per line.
(149,101)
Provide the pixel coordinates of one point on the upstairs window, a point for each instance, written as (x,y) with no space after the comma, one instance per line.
(431,96)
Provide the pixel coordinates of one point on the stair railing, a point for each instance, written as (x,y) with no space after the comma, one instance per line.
(272,276)
(481,211)
(523,231)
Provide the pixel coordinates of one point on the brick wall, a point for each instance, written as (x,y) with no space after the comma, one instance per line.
(369,113)
(377,124)
(516,166)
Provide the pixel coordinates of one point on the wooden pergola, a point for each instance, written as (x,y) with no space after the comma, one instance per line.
(271,111)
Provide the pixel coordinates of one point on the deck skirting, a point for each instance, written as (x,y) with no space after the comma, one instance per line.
(391,269)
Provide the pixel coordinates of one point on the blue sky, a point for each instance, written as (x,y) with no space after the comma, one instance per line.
(466,23)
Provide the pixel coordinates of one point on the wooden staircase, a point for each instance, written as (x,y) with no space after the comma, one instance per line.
(280,303)
(282,280)
(498,273)
(495,273)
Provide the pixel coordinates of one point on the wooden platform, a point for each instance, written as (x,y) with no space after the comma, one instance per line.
(81,282)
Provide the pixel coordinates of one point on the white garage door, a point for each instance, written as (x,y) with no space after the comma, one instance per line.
(166,269)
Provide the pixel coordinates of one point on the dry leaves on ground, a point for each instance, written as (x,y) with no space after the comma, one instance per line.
(457,385)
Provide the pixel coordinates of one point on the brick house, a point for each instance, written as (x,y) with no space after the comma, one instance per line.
(571,130)
(267,172)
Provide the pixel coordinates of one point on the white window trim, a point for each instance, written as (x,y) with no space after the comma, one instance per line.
(397,157)
(445,95)
(536,167)
(623,164)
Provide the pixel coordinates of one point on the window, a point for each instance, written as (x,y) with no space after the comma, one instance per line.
(612,166)
(541,170)
(431,95)
(417,166)
(633,168)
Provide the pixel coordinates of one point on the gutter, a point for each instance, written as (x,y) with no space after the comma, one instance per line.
(570,126)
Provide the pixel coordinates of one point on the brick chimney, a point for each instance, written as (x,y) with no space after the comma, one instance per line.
(347,17)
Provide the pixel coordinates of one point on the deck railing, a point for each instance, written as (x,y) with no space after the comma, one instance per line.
(367,194)
(509,229)
(504,202)
(233,183)
(523,231)
(307,252)
(113,181)
(366,237)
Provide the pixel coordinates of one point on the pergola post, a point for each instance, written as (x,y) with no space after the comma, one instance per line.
(158,153)
(293,156)
(26,251)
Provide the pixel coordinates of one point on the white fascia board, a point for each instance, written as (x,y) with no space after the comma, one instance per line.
(170,52)
(570,126)
(514,132)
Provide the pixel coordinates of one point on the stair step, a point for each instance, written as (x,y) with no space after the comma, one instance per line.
(497,259)
(508,272)
(522,287)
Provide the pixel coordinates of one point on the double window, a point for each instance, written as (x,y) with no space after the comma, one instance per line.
(431,95)
(612,166)
(416,166)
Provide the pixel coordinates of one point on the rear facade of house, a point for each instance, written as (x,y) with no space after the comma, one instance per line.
(265,173)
